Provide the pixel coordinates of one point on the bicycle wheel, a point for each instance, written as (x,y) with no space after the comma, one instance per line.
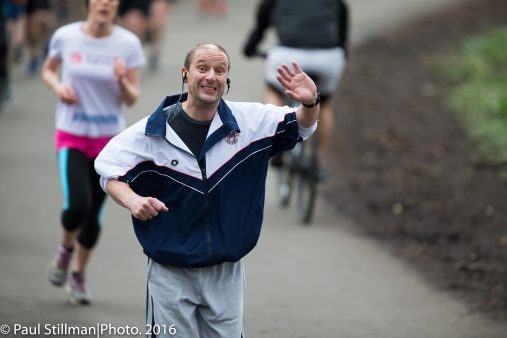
(307,180)
(284,180)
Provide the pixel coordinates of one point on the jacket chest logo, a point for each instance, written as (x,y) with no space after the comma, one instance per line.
(232,138)
(174,163)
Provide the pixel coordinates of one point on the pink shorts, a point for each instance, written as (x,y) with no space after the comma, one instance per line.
(90,146)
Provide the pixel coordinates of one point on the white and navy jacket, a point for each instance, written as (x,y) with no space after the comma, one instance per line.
(215,214)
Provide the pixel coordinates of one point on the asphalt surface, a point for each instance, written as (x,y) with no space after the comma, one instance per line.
(317,281)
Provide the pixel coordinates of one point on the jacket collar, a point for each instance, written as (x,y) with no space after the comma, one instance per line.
(156,124)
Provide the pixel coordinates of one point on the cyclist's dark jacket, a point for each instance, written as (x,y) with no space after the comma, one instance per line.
(302,24)
(215,215)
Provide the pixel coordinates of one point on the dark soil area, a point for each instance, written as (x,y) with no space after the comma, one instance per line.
(405,170)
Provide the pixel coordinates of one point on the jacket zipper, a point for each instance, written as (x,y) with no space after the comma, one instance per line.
(206,199)
(207,209)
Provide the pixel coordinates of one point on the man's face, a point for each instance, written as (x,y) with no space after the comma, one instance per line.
(207,75)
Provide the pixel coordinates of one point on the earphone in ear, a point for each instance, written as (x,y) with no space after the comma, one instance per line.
(228,82)
(184,76)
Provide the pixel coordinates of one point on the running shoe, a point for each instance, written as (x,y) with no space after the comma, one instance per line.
(59,266)
(78,292)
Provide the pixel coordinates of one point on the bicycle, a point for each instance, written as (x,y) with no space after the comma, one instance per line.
(300,167)
(299,170)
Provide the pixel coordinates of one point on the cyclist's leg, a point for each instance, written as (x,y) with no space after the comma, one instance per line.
(326,120)
(327,81)
(274,90)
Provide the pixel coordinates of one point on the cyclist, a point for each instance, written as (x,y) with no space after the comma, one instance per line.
(312,33)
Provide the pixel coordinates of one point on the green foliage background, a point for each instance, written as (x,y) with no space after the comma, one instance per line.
(477,71)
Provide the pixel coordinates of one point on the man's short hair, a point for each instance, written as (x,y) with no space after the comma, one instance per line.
(190,55)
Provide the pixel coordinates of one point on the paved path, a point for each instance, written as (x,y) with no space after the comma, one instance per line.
(318,281)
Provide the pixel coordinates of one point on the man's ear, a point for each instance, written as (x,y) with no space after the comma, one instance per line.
(184,75)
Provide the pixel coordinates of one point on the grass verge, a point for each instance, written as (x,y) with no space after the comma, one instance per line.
(477,73)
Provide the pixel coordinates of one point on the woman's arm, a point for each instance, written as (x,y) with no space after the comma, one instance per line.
(50,77)
(128,79)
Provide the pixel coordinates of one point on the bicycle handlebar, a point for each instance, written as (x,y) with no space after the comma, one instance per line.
(257,53)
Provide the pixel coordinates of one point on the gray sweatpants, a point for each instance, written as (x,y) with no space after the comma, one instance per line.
(199,302)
